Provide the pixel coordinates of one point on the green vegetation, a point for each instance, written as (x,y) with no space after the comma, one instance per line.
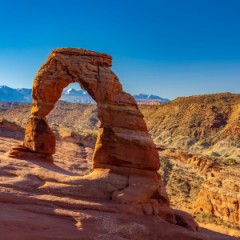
(231,162)
(182,184)
(206,218)
(166,167)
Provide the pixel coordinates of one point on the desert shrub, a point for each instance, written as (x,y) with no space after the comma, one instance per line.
(231,162)
(166,167)
(203,217)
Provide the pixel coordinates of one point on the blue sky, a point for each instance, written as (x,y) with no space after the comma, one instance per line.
(169,48)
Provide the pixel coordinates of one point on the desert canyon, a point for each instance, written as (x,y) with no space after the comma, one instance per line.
(116,170)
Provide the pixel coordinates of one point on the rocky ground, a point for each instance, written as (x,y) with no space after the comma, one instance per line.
(198,143)
(40,200)
(203,187)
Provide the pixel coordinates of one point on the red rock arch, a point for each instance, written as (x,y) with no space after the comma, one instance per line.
(123,139)
(125,158)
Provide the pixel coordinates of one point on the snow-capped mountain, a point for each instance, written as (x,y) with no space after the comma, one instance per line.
(68,95)
(74,92)
(76,96)
(149,97)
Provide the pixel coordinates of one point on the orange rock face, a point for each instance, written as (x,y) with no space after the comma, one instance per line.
(219,195)
(123,139)
(39,137)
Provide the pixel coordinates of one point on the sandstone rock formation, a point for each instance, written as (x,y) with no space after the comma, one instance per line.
(220,195)
(206,187)
(125,159)
(40,200)
(122,125)
(9,129)
(124,185)
(183,172)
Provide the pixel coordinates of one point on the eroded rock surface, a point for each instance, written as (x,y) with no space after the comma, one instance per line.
(10,129)
(41,200)
(220,195)
(206,187)
(125,160)
(122,125)
(184,172)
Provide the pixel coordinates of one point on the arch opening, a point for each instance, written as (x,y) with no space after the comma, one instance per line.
(74,122)
(73,93)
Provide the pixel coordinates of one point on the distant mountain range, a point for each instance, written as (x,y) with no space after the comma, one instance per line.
(68,95)
(18,95)
(149,97)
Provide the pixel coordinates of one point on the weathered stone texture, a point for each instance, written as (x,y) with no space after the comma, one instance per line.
(123,139)
(39,137)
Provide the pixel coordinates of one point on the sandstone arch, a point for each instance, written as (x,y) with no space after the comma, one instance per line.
(125,158)
(123,139)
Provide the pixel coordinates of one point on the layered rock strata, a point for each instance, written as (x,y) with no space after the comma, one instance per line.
(122,125)
(125,159)
(220,195)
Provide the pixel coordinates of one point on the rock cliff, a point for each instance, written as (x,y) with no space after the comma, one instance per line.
(220,195)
